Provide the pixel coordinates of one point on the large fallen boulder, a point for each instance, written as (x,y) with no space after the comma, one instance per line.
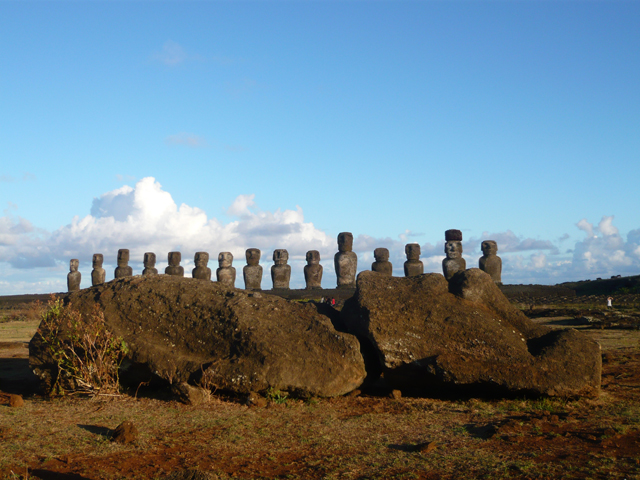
(431,335)
(201,332)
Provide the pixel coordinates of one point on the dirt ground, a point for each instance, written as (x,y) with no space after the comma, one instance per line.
(369,435)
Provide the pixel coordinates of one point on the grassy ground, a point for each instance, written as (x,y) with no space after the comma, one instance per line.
(353,437)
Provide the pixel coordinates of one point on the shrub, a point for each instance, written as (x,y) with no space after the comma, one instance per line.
(87,354)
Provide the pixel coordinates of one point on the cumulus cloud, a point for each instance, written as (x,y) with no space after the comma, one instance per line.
(604,252)
(146,218)
(186,139)
(241,205)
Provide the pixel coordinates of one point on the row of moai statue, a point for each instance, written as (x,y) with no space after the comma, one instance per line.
(490,262)
(345,262)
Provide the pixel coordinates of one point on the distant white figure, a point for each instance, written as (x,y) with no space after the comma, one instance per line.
(609,300)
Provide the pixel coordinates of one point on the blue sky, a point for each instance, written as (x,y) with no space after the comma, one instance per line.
(220,126)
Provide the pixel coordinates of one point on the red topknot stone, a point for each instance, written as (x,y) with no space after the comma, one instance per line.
(453,236)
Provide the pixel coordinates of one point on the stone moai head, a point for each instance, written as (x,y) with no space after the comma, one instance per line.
(453,244)
(74,264)
(201,259)
(174,259)
(489,247)
(98,258)
(123,257)
(381,254)
(253,256)
(313,257)
(280,256)
(345,242)
(412,251)
(225,259)
(453,249)
(149,259)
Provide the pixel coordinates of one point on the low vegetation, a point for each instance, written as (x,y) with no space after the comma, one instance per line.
(87,354)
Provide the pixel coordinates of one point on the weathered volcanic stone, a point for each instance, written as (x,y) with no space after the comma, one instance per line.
(280,272)
(174,268)
(413,266)
(252,271)
(180,329)
(345,261)
(123,269)
(429,334)
(149,264)
(490,262)
(226,273)
(74,277)
(313,270)
(98,273)
(201,271)
(382,263)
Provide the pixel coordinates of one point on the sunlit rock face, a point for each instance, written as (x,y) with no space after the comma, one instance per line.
(429,335)
(183,329)
(346,261)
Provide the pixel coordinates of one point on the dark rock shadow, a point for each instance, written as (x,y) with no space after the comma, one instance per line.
(17,378)
(42,474)
(97,430)
(484,432)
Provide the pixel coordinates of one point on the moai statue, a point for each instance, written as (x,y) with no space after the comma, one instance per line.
(382,263)
(413,266)
(490,262)
(252,271)
(149,264)
(74,276)
(346,261)
(174,267)
(123,269)
(453,248)
(280,272)
(226,274)
(201,271)
(98,274)
(313,270)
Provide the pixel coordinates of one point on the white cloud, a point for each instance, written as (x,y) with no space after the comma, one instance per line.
(241,205)
(586,226)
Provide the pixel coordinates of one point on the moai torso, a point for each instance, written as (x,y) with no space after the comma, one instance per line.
(226,274)
(345,261)
(73,277)
(382,263)
(490,262)
(454,262)
(313,270)
(413,266)
(201,271)
(149,264)
(123,269)
(174,267)
(252,271)
(98,274)
(281,272)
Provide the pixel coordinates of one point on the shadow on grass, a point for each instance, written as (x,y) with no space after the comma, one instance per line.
(17,378)
(97,430)
(49,475)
